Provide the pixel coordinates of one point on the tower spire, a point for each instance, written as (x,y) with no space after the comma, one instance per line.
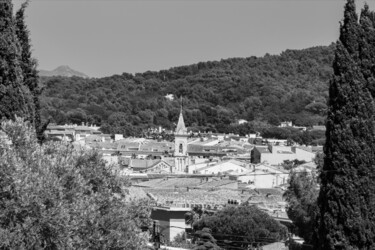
(181,129)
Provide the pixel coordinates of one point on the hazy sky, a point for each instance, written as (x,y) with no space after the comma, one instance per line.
(106,37)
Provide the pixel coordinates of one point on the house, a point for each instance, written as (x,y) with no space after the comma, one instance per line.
(162,167)
(81,132)
(143,149)
(241,121)
(318,127)
(141,165)
(276,155)
(170,221)
(262,176)
(58,135)
(204,151)
(286,124)
(221,167)
(70,132)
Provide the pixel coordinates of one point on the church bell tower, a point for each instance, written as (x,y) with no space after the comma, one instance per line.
(180,145)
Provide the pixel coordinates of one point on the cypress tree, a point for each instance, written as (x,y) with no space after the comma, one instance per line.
(14,96)
(29,71)
(366,47)
(347,193)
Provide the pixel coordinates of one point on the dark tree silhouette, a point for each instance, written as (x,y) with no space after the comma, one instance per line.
(347,193)
(15,97)
(29,71)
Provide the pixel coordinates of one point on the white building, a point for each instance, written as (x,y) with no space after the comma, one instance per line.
(276,155)
(263,176)
(230,166)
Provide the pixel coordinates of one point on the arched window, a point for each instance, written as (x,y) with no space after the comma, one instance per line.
(180,149)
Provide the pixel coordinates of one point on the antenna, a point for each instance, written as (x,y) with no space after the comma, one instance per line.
(181,103)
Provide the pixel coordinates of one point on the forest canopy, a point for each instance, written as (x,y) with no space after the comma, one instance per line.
(292,86)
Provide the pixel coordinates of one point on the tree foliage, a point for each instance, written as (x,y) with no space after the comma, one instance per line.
(19,82)
(205,240)
(15,97)
(347,193)
(292,86)
(301,195)
(53,196)
(242,226)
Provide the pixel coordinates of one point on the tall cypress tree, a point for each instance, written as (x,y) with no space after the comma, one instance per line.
(29,71)
(15,97)
(347,193)
(366,47)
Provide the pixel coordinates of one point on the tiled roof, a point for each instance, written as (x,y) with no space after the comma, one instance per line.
(170,183)
(216,183)
(104,145)
(83,128)
(58,132)
(142,164)
(262,150)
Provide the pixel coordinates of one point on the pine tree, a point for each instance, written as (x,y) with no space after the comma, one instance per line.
(29,71)
(14,96)
(347,193)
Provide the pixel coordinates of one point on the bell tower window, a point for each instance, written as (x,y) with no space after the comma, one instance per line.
(180,148)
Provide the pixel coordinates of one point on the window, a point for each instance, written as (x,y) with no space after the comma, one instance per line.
(180,149)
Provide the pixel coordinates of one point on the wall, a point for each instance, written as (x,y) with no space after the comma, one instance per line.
(177,226)
(171,221)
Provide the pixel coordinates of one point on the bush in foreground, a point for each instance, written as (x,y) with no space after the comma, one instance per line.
(55,197)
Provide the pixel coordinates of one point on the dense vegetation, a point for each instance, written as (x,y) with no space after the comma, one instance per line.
(347,194)
(53,196)
(240,227)
(301,195)
(292,86)
(19,83)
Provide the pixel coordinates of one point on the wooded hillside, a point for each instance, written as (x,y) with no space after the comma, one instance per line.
(292,86)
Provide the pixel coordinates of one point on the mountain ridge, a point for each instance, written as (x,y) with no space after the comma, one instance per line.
(63,70)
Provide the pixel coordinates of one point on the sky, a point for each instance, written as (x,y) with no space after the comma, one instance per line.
(105,37)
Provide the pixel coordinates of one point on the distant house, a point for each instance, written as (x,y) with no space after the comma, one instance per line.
(140,165)
(70,132)
(262,176)
(147,149)
(204,151)
(169,97)
(319,127)
(221,167)
(286,124)
(290,124)
(276,155)
(241,121)
(162,167)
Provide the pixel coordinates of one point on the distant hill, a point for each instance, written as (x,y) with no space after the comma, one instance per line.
(62,71)
(292,86)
